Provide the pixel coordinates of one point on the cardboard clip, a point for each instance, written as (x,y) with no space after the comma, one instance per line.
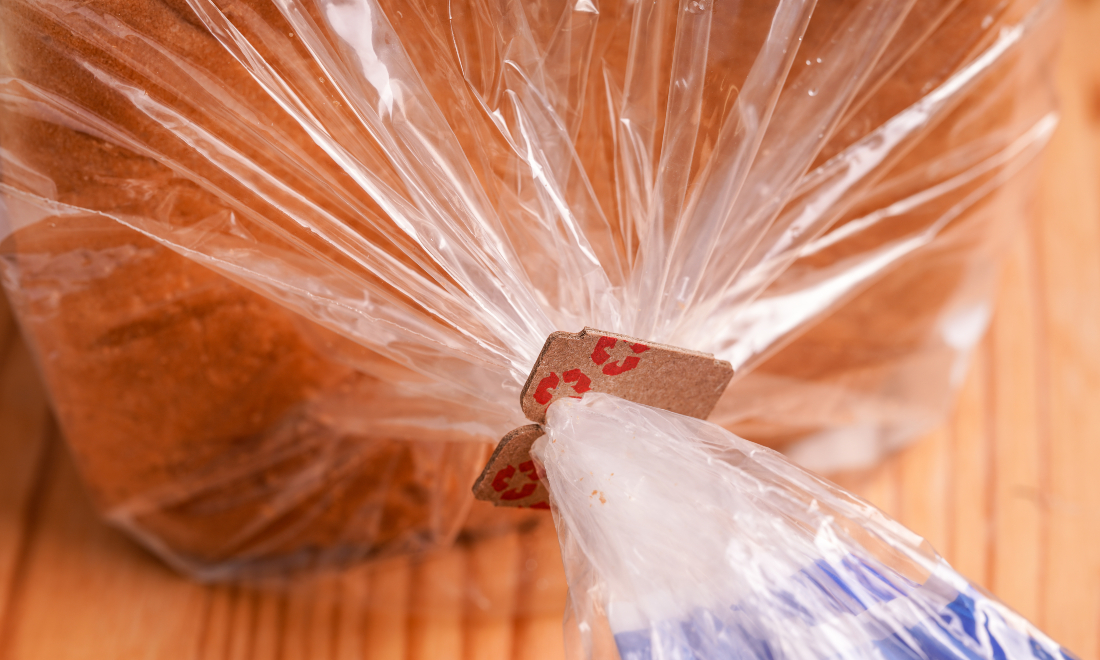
(570,364)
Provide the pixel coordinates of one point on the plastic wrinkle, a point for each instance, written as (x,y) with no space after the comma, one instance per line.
(705,545)
(286,265)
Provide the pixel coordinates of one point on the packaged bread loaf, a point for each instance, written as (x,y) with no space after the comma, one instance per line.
(285,265)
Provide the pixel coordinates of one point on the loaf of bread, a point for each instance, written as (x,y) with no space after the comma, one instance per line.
(186,245)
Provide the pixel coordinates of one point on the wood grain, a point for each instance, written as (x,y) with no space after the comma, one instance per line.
(1007,490)
(1067,245)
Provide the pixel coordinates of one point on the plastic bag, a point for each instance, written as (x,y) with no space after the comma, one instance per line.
(683,541)
(286,265)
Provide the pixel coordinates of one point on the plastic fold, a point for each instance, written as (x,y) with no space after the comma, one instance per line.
(285,266)
(683,541)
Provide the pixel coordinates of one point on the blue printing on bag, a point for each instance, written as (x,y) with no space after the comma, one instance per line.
(951,635)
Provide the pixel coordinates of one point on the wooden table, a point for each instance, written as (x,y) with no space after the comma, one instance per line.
(1008,490)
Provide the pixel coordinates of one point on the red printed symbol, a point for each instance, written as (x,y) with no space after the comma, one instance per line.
(583,383)
(528,468)
(600,355)
(500,481)
(544,392)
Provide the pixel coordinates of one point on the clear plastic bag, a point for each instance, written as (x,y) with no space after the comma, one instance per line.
(683,541)
(286,265)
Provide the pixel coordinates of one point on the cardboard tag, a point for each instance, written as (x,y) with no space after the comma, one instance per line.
(510,477)
(680,381)
(677,380)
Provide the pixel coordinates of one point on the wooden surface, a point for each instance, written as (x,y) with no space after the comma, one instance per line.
(1008,490)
